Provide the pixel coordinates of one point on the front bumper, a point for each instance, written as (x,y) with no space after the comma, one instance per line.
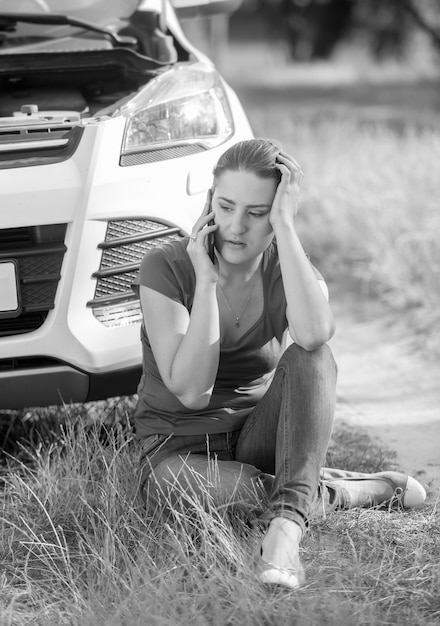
(46,385)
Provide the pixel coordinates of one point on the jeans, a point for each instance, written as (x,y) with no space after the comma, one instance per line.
(272,465)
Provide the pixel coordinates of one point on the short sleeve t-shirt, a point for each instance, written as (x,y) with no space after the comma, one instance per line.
(245,367)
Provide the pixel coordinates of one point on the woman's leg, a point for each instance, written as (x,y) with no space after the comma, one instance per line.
(288,432)
(187,472)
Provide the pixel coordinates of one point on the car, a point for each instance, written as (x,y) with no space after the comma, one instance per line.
(110,124)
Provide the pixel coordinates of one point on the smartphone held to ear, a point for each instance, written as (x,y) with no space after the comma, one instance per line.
(210,240)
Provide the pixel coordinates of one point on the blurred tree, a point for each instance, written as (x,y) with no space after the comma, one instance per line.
(313,28)
(428,21)
(385,25)
(390,24)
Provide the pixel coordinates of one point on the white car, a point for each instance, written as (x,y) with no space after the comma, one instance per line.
(110,124)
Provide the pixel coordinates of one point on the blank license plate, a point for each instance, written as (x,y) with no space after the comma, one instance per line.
(9,301)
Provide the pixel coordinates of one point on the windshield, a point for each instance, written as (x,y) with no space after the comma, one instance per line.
(95,11)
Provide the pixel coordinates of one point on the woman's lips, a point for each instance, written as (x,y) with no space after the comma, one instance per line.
(236,244)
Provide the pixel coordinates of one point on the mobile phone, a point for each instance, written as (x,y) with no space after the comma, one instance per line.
(210,237)
(211,246)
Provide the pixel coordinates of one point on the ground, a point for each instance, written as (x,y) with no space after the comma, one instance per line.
(386,386)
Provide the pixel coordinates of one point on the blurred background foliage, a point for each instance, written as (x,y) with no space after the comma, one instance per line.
(312,29)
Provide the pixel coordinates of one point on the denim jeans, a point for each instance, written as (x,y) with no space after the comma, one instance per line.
(272,465)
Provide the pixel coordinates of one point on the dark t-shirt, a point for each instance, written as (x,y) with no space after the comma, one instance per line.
(245,368)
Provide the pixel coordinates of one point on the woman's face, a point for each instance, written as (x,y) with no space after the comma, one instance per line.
(242,202)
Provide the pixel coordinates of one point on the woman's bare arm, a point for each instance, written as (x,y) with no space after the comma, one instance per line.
(186,346)
(310,318)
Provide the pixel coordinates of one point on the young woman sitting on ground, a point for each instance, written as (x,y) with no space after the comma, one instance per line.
(218,380)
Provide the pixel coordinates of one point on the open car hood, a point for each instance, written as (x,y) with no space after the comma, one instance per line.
(95,11)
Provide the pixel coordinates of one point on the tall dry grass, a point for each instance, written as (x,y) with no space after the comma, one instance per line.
(78,548)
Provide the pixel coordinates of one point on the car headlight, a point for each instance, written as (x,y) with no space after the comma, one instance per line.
(185,107)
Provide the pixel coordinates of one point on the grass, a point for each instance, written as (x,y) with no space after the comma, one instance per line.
(78,548)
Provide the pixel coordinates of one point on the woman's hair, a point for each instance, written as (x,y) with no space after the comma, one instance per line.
(253,155)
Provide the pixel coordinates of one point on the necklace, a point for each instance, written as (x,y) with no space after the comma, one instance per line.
(248,299)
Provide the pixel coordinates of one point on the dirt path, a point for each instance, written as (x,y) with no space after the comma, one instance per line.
(386,388)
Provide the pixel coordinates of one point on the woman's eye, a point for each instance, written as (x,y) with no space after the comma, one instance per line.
(256,214)
(224,207)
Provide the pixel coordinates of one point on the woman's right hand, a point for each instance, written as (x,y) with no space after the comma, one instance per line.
(197,247)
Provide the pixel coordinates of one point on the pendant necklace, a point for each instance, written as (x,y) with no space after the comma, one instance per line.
(248,299)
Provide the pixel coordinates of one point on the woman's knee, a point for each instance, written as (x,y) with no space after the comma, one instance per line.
(170,474)
(169,487)
(310,362)
(196,479)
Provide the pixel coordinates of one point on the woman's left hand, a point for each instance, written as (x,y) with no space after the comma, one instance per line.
(285,203)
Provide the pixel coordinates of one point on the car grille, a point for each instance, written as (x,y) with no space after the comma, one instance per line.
(125,244)
(38,252)
(26,147)
(161,154)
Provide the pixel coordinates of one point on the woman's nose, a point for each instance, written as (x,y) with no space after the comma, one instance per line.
(238,224)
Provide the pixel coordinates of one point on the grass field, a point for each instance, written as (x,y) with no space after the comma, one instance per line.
(78,549)
(76,546)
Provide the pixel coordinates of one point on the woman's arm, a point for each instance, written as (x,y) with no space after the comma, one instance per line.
(310,318)
(186,345)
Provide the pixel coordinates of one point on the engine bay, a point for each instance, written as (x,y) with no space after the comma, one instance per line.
(81,73)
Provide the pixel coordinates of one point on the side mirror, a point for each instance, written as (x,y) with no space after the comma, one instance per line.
(187,9)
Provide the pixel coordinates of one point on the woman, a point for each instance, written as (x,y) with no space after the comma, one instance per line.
(218,380)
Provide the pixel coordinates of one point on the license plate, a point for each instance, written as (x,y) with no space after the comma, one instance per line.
(9,297)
